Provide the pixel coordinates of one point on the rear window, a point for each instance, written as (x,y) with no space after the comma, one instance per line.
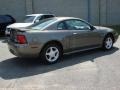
(46,16)
(42,23)
(29,19)
(5,19)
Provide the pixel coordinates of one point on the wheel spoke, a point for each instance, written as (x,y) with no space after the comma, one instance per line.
(51,50)
(47,53)
(49,58)
(109,43)
(56,51)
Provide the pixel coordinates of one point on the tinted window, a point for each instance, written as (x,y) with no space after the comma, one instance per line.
(42,24)
(46,16)
(29,19)
(43,17)
(61,26)
(76,25)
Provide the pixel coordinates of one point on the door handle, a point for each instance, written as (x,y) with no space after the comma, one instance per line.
(74,33)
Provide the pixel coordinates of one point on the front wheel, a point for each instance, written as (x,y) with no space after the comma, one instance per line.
(108,43)
(51,53)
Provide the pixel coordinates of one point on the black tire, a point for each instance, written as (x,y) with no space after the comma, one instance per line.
(105,46)
(44,57)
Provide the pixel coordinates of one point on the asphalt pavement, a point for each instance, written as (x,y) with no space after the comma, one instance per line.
(89,70)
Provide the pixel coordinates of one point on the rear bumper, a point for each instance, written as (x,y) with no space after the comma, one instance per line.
(23,50)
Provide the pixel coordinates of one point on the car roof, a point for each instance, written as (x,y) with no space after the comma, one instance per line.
(5,18)
(39,14)
(65,18)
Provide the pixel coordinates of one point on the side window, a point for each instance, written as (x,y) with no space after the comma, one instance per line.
(46,16)
(38,19)
(77,25)
(61,26)
(49,16)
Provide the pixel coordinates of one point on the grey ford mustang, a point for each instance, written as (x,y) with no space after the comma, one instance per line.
(51,38)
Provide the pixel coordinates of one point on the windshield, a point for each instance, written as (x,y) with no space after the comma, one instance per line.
(29,19)
(42,23)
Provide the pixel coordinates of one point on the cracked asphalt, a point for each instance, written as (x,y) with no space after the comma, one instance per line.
(89,70)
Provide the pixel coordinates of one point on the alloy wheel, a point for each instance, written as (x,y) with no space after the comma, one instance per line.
(108,43)
(52,54)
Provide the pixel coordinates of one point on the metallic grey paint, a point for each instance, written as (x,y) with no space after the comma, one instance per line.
(70,40)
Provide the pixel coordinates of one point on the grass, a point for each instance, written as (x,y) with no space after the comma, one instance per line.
(117,28)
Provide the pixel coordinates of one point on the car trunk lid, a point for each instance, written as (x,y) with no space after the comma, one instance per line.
(15,32)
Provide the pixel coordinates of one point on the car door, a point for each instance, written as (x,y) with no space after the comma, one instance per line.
(82,36)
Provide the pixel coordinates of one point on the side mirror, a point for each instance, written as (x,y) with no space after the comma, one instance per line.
(92,27)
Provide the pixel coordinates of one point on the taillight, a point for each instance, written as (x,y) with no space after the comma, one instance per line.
(21,39)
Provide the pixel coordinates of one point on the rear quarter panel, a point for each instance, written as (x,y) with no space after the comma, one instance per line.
(40,38)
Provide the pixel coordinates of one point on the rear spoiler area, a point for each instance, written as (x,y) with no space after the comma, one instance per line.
(20,29)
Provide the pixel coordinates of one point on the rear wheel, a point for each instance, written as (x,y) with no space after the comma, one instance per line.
(51,53)
(108,42)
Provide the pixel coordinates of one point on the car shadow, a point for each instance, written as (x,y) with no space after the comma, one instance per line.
(14,68)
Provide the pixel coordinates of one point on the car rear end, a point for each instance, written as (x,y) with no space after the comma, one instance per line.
(19,44)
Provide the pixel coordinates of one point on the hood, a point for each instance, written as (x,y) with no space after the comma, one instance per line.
(19,25)
(104,28)
(101,27)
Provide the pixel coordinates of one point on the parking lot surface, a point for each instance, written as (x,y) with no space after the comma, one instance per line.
(89,70)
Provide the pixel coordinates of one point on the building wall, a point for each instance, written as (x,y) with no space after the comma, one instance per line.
(109,12)
(16,8)
(113,12)
(62,7)
(98,12)
(94,12)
